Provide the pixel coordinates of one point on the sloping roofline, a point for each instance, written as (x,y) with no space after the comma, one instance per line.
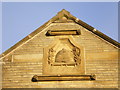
(58,16)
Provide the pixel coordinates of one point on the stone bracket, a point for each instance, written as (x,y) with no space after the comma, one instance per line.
(63,78)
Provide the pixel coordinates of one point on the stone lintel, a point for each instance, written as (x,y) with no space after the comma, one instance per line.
(63,78)
(62,32)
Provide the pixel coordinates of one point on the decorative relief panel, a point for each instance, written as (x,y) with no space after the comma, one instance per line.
(63,57)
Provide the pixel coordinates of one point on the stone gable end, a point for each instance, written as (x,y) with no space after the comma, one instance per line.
(94,56)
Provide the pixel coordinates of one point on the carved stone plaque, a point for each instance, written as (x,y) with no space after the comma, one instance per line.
(63,57)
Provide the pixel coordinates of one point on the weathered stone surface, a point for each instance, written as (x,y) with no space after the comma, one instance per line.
(97,55)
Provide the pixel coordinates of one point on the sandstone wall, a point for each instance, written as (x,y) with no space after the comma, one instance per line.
(101,59)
